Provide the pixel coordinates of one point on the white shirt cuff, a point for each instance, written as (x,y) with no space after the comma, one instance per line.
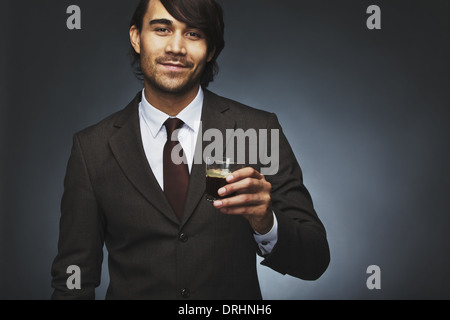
(267,241)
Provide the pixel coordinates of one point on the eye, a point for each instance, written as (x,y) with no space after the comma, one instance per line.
(194,35)
(162,30)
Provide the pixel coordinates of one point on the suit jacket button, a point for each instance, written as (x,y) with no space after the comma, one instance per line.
(183,237)
(185,293)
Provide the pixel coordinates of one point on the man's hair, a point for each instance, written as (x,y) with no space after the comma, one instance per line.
(206,15)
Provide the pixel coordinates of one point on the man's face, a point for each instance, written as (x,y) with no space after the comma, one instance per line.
(173,54)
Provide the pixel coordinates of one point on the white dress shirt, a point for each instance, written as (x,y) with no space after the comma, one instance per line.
(154,137)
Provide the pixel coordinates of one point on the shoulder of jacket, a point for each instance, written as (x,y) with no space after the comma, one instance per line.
(107,125)
(241,108)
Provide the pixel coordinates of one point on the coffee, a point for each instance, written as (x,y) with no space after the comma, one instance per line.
(216,179)
(213,184)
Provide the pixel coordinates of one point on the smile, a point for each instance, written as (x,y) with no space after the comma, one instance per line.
(174,66)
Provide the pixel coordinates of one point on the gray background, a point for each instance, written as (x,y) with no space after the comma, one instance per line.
(365,111)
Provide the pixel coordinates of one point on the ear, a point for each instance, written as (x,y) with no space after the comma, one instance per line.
(135,38)
(211,55)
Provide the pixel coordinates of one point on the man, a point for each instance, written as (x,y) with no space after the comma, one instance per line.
(164,240)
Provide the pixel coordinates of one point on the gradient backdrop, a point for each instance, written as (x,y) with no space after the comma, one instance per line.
(366,112)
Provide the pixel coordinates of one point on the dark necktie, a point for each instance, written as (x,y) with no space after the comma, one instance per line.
(176,176)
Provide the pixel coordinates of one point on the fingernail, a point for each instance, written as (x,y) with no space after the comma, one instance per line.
(229,178)
(222,191)
(217,203)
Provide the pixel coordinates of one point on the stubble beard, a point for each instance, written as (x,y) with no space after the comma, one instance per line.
(174,83)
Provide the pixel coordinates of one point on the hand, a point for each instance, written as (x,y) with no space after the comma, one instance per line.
(252,199)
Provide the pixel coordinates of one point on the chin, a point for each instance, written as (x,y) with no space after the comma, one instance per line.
(173,87)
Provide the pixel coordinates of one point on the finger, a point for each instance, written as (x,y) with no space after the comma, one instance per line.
(241,200)
(247,185)
(247,172)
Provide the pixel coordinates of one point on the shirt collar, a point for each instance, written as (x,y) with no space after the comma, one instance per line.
(191,115)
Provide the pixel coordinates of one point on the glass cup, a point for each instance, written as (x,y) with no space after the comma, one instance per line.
(217,170)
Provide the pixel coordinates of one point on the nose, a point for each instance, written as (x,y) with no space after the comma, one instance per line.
(176,44)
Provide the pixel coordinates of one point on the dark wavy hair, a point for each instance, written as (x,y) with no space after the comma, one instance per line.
(206,15)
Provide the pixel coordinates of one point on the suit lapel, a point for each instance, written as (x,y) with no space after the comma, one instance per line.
(128,150)
(214,116)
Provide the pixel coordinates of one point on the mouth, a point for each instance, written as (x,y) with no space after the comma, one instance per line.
(173,66)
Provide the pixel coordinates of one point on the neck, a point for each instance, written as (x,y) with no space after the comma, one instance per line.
(168,102)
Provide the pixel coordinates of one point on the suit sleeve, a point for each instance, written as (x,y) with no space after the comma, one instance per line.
(81,233)
(302,248)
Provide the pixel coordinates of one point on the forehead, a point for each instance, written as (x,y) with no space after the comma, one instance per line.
(156,10)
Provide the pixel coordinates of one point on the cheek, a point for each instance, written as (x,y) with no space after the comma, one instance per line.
(146,50)
(150,47)
(198,51)
(200,57)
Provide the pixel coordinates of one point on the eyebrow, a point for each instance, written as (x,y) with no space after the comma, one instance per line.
(161,21)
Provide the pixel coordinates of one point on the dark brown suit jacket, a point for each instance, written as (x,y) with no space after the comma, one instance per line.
(111,197)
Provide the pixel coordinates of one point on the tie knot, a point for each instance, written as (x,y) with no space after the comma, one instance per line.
(171,125)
